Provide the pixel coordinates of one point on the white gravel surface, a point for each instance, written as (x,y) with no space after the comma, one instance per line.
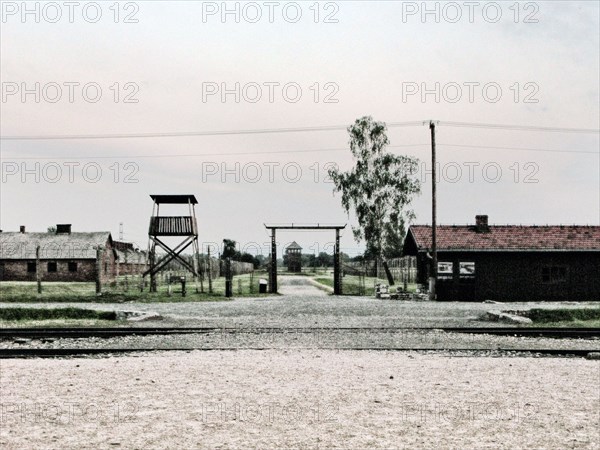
(313,399)
(300,393)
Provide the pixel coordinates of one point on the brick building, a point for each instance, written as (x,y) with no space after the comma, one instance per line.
(64,255)
(130,260)
(510,263)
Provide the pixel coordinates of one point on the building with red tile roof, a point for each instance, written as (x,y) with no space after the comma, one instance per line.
(510,262)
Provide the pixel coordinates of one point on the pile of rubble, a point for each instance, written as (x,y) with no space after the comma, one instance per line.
(384,292)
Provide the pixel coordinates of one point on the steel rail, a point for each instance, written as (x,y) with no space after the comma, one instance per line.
(41,333)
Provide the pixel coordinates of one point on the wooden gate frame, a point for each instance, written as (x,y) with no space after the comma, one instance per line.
(337,273)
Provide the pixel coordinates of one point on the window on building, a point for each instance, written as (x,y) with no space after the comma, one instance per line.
(467,269)
(72,266)
(52,266)
(31,267)
(445,269)
(554,274)
(105,267)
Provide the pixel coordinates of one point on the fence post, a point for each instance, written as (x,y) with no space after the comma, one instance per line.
(98,271)
(210,286)
(117,272)
(38,270)
(228,279)
(202,268)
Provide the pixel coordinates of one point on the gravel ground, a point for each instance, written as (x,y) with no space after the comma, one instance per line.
(302,392)
(303,305)
(312,399)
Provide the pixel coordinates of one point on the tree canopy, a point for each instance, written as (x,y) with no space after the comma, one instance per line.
(379,188)
(230,251)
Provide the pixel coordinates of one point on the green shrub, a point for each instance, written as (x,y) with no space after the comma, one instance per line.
(559,315)
(13,314)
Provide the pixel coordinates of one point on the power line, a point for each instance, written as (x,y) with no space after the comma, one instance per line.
(193,133)
(287,130)
(519,127)
(276,152)
(528,149)
(194,155)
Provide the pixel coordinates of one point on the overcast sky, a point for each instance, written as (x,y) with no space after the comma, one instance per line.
(162,67)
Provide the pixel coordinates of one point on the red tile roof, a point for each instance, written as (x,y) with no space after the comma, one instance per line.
(509,237)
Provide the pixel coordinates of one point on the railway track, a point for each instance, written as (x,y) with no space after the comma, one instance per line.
(58,333)
(7,334)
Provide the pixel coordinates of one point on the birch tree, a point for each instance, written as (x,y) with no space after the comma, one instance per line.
(379,189)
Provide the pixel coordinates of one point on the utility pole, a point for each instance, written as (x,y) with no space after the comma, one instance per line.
(273,272)
(434,268)
(210,286)
(337,272)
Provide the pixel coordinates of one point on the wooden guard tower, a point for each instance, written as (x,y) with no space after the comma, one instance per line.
(169,226)
(294,257)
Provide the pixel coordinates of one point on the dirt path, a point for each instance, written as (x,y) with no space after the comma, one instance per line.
(298,286)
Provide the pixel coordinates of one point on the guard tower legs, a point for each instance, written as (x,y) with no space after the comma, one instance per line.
(172,226)
(152,256)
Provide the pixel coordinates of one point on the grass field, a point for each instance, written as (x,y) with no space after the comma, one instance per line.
(351,284)
(15,292)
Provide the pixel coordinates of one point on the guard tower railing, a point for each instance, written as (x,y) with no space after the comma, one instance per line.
(173,226)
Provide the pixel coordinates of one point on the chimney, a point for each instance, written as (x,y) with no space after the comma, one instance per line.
(63,228)
(481,224)
(22,229)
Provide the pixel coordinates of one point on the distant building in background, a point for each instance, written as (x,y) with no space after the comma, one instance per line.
(64,255)
(294,257)
(130,260)
(510,262)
